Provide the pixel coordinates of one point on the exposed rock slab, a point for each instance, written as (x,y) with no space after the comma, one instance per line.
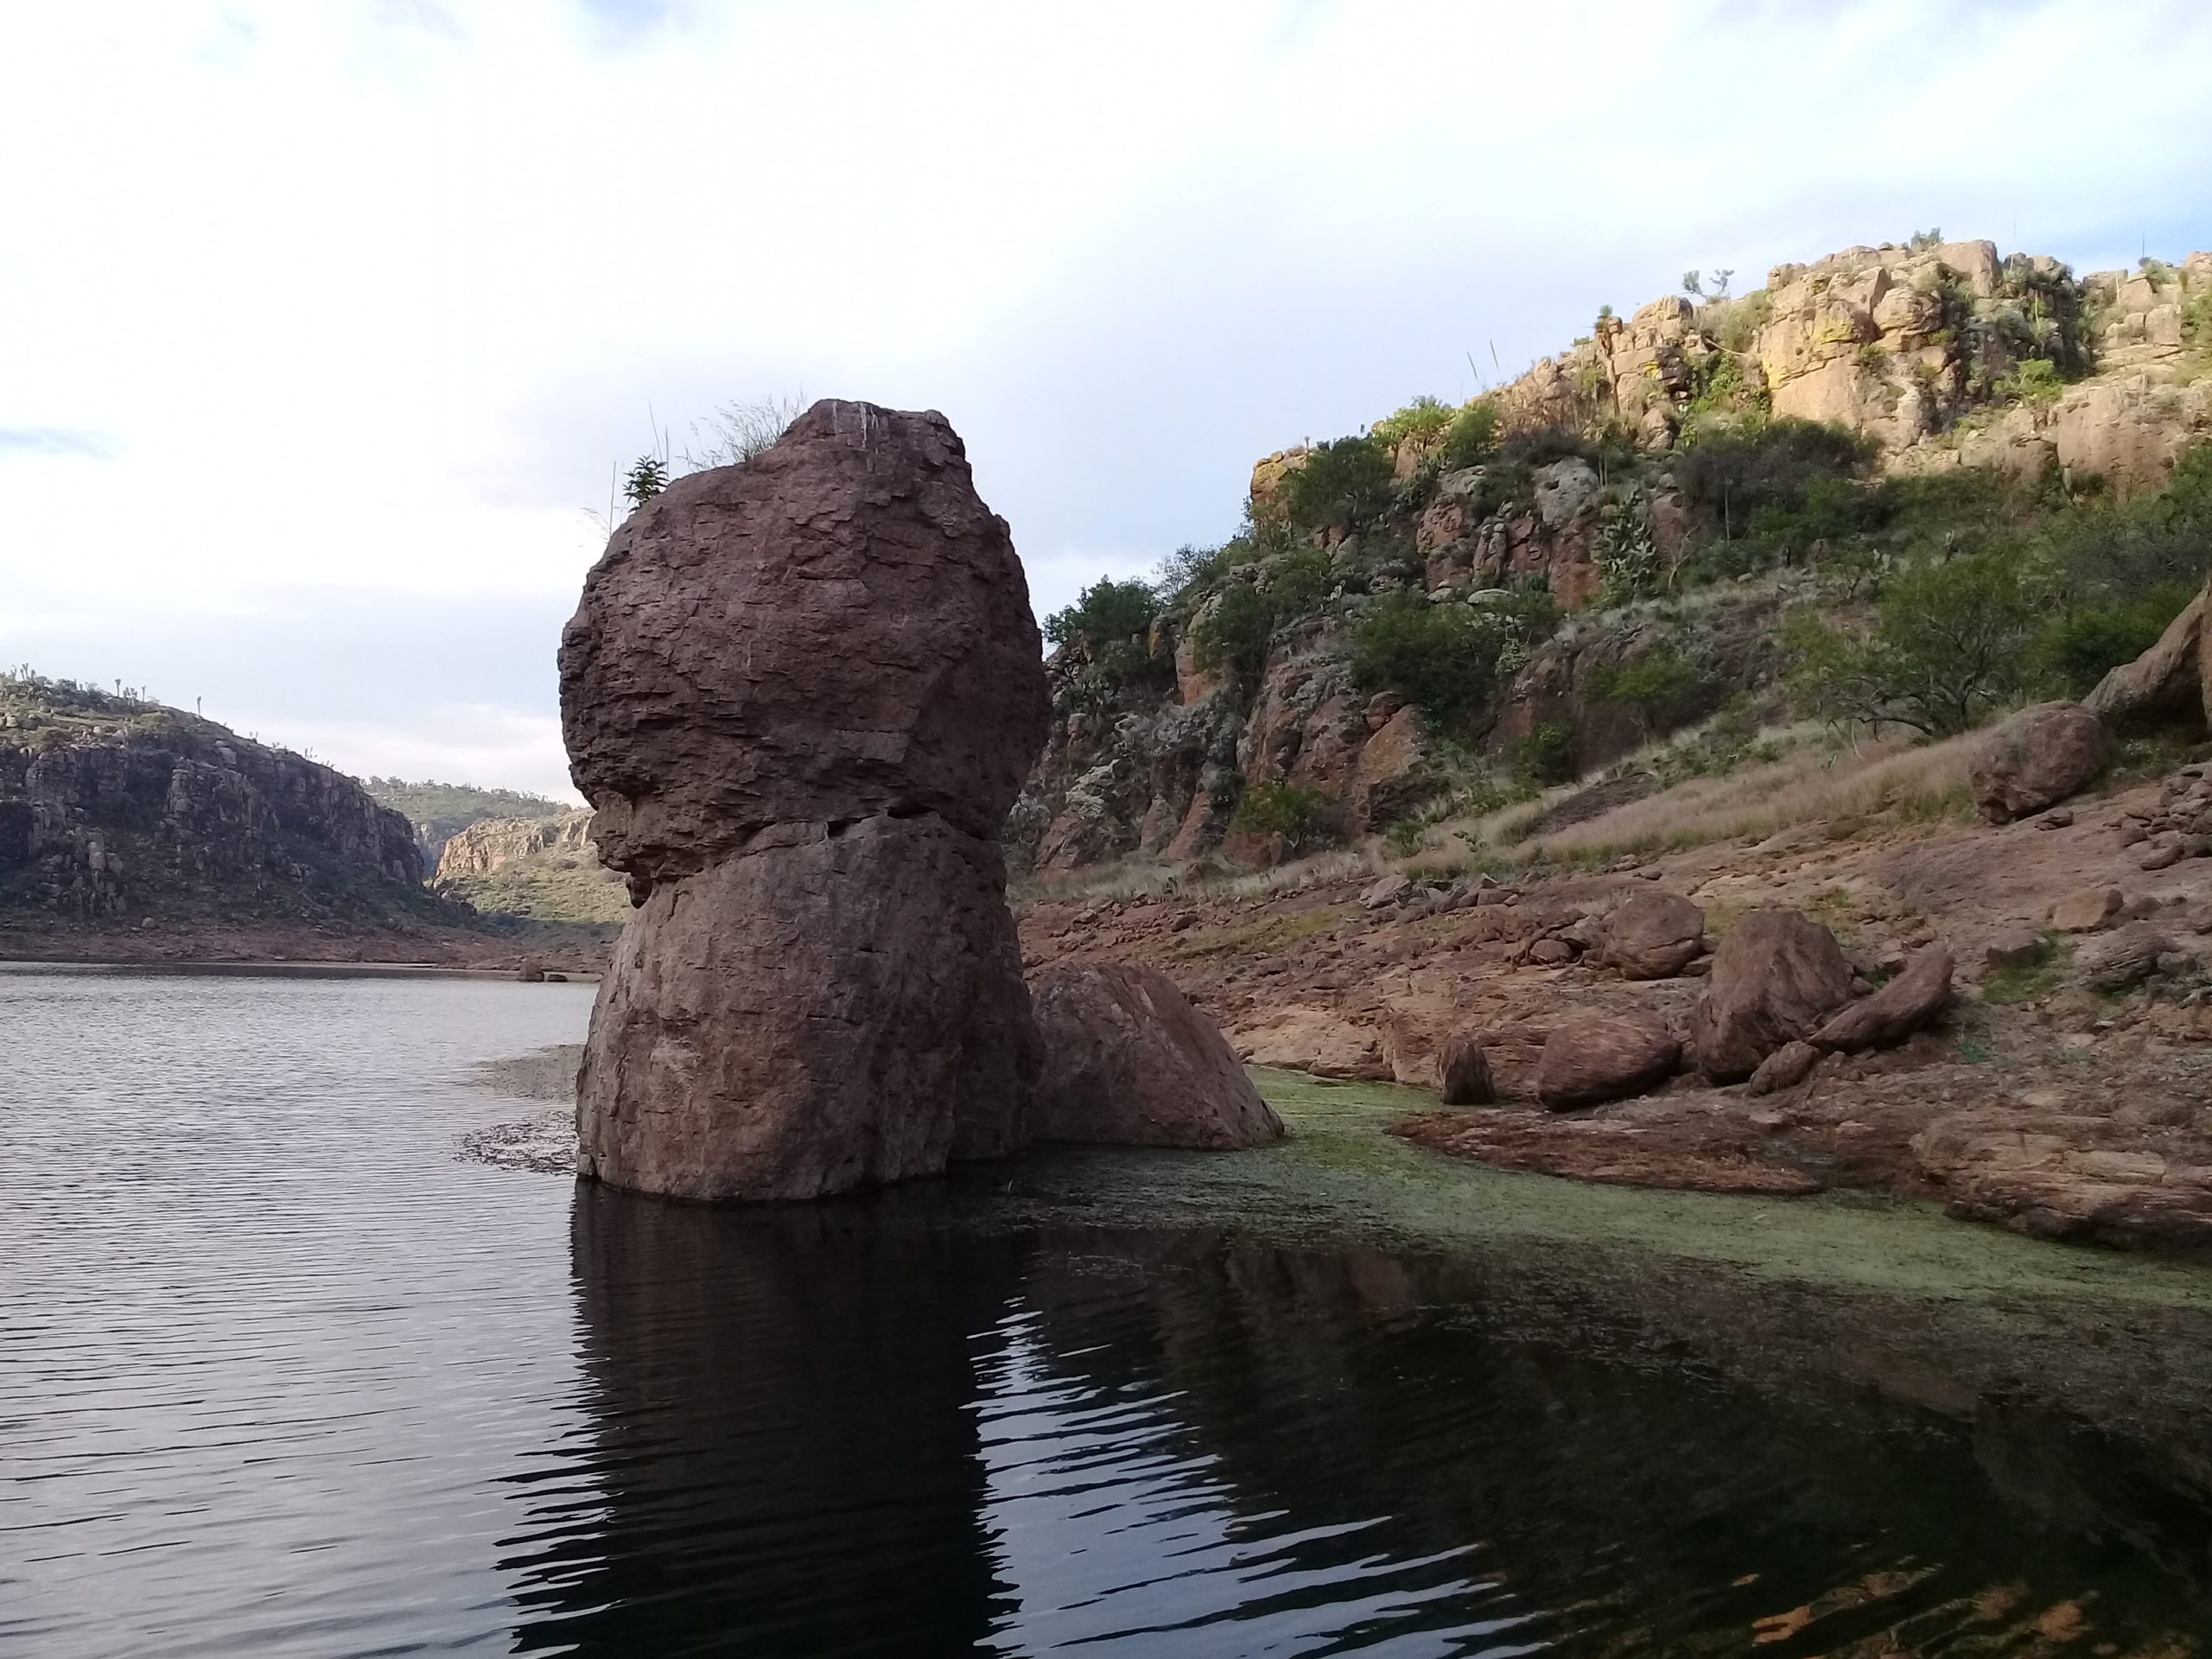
(1128,1062)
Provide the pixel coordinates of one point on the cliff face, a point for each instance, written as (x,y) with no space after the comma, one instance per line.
(546,869)
(112,809)
(1940,357)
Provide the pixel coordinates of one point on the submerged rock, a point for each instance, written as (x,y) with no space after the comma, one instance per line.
(1128,1062)
(802,694)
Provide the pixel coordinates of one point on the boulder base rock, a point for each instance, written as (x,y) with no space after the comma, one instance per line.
(802,694)
(1776,975)
(1464,1072)
(1594,1058)
(2036,757)
(1128,1062)
(1654,936)
(1895,1012)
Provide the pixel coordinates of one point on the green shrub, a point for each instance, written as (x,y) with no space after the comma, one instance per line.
(1544,756)
(1232,633)
(1950,645)
(2079,648)
(1298,814)
(2133,550)
(2035,381)
(1423,420)
(1730,475)
(1661,687)
(1442,656)
(1472,438)
(1347,483)
(1107,610)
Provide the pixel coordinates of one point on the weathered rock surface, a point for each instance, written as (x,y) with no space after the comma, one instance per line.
(1129,1062)
(2164,680)
(1463,1072)
(1654,936)
(1593,1058)
(490,843)
(1785,1068)
(1895,1012)
(802,693)
(1776,975)
(2036,758)
(2087,911)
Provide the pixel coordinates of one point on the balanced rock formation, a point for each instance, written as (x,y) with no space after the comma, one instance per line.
(802,694)
(2036,758)
(1130,1063)
(1776,977)
(2169,679)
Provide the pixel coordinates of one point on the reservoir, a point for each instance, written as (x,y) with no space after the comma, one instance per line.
(283,1372)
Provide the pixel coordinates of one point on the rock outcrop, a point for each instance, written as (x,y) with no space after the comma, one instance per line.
(489,844)
(802,694)
(1915,996)
(1776,977)
(1129,1062)
(2036,759)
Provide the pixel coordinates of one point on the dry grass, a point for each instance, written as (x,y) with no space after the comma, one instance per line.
(1132,879)
(1889,779)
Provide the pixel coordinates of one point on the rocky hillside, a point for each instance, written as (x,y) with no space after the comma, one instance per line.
(441,811)
(1710,517)
(546,869)
(118,814)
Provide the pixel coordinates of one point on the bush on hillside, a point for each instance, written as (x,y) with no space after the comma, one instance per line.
(1231,633)
(1424,419)
(1660,687)
(1951,644)
(1298,814)
(1346,484)
(2076,650)
(1729,476)
(1442,656)
(1472,438)
(1107,610)
(1544,756)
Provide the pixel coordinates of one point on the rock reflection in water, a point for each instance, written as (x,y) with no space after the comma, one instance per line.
(875,1428)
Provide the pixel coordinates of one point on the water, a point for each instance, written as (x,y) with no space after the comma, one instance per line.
(281,1374)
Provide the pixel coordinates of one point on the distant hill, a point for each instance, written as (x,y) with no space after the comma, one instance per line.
(544,868)
(439,811)
(117,813)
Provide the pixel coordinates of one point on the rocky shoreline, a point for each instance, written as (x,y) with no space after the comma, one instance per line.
(2063,1089)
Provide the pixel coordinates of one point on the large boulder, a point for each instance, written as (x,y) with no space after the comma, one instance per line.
(2036,757)
(1128,1062)
(1776,977)
(1900,1009)
(1654,936)
(2167,679)
(1590,1059)
(802,694)
(1463,1072)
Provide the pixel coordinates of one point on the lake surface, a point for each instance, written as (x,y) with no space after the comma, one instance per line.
(282,1373)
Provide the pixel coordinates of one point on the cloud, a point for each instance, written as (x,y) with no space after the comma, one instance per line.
(56,441)
(362,301)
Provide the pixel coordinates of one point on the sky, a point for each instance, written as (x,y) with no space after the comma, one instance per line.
(324,327)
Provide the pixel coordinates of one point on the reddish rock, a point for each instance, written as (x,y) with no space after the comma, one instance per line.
(2016,947)
(1551,953)
(2036,757)
(802,694)
(1464,1071)
(1899,1009)
(1128,1062)
(1776,975)
(1654,936)
(2087,911)
(2163,680)
(1593,1058)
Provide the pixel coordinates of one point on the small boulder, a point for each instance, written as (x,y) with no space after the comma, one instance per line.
(2122,959)
(2036,758)
(1593,1058)
(2161,856)
(1379,895)
(1654,936)
(1776,975)
(2015,947)
(1895,1012)
(2087,911)
(1128,1062)
(1550,953)
(1785,1068)
(1464,1071)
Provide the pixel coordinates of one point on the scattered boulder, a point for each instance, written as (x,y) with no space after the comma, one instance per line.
(2015,947)
(2163,854)
(2164,679)
(1899,1009)
(1465,1074)
(1593,1058)
(2087,911)
(1785,1068)
(1380,895)
(803,693)
(1550,953)
(1654,936)
(1776,975)
(2123,958)
(2036,758)
(1128,1062)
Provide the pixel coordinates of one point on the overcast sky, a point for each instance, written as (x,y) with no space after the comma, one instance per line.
(325,324)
